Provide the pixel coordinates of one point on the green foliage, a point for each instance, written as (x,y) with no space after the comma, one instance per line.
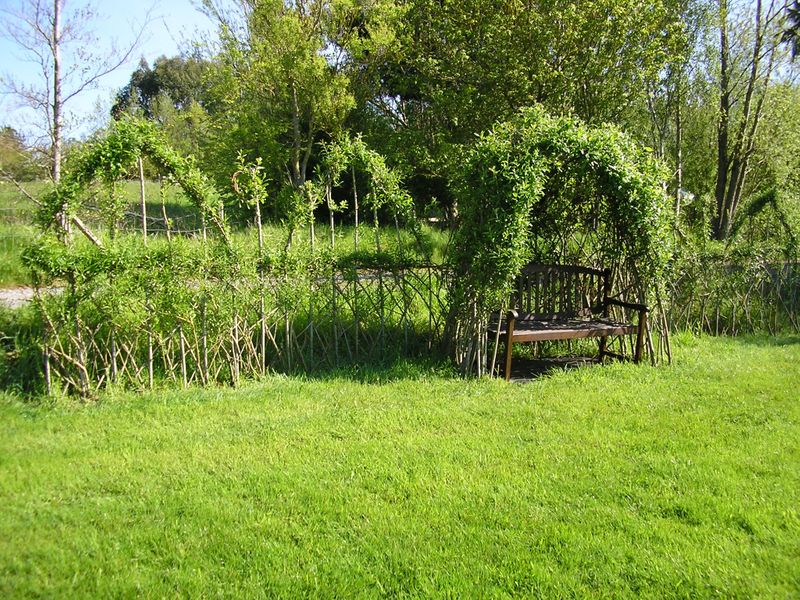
(250,182)
(385,190)
(738,287)
(273,94)
(21,351)
(177,79)
(452,69)
(16,160)
(531,186)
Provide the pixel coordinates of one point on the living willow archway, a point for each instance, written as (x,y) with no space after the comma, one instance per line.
(108,160)
(115,292)
(385,190)
(551,190)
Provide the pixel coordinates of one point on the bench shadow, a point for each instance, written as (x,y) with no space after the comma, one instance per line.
(526,370)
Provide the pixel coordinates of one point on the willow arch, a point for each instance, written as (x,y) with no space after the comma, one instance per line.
(108,159)
(551,189)
(385,188)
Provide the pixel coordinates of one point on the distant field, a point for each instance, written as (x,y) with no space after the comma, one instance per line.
(17,230)
(17,222)
(617,481)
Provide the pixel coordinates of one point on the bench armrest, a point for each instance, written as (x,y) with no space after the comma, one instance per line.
(628,305)
(512,314)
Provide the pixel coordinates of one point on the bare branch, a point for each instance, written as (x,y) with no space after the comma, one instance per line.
(8,177)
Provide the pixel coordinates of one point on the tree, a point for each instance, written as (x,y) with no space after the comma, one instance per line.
(177,79)
(69,59)
(748,56)
(792,33)
(16,161)
(672,94)
(455,68)
(173,94)
(274,94)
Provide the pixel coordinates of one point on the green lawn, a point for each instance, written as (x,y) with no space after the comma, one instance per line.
(615,481)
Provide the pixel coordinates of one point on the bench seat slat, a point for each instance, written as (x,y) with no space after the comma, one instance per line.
(531,331)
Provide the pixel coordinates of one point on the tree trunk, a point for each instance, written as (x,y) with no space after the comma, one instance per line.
(733,160)
(58,115)
(57,106)
(297,175)
(719,225)
(355,208)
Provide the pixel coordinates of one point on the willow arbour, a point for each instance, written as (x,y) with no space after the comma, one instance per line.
(552,190)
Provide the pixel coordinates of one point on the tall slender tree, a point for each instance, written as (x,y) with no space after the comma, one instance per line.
(748,51)
(792,33)
(68,58)
(275,93)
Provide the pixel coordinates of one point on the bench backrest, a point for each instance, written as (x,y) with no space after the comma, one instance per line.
(551,292)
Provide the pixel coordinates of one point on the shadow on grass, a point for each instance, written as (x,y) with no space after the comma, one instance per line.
(765,341)
(21,361)
(383,371)
(526,370)
(20,354)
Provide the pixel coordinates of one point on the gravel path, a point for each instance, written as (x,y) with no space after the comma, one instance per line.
(15,297)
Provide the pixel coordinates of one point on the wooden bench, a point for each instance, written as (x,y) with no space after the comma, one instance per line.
(564,302)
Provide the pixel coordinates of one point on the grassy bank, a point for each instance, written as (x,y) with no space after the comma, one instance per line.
(614,481)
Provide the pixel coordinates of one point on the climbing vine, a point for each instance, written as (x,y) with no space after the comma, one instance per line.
(191,308)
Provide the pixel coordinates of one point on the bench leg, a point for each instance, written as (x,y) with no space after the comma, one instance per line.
(509,346)
(602,348)
(637,355)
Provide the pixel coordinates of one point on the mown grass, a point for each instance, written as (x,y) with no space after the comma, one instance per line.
(616,481)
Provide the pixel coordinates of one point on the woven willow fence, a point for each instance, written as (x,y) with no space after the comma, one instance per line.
(721,298)
(220,331)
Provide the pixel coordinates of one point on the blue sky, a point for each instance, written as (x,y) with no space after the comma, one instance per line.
(173,25)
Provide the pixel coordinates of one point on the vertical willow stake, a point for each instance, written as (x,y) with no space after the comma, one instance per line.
(235,341)
(381,300)
(261,303)
(162,194)
(399,236)
(204,327)
(328,196)
(377,228)
(47,377)
(149,356)
(355,206)
(184,377)
(142,201)
(114,366)
(329,199)
(312,235)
